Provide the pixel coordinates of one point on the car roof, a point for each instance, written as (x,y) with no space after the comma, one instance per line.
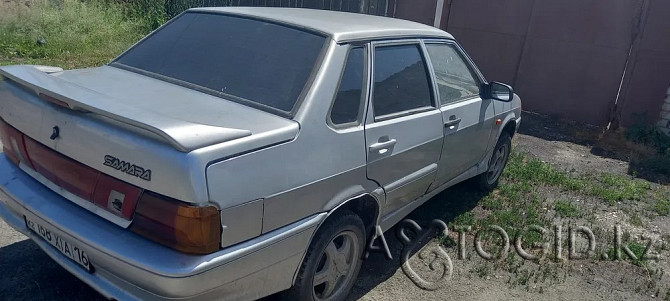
(341,26)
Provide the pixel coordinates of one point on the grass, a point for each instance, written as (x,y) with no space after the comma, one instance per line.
(636,248)
(520,201)
(635,220)
(483,270)
(515,204)
(535,171)
(566,209)
(655,161)
(614,188)
(662,207)
(72,34)
(611,188)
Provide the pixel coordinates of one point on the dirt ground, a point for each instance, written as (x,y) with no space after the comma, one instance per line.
(573,148)
(26,273)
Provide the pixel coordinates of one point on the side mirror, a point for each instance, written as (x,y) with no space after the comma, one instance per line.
(499,91)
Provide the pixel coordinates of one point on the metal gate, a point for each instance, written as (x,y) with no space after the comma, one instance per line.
(595,61)
(372,7)
(564,58)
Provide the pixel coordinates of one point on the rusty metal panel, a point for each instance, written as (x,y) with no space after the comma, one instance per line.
(650,67)
(574,57)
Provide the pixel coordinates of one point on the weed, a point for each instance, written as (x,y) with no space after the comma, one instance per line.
(73,34)
(614,188)
(566,209)
(637,249)
(523,277)
(635,220)
(153,12)
(643,132)
(465,219)
(611,188)
(446,241)
(483,270)
(491,202)
(662,207)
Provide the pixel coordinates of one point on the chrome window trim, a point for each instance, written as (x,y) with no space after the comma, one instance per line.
(403,113)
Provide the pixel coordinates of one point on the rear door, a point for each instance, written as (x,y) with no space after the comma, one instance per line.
(403,128)
(468,119)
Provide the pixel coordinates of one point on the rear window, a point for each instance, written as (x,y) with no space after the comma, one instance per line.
(256,62)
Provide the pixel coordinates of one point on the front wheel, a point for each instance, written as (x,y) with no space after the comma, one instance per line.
(332,262)
(489,179)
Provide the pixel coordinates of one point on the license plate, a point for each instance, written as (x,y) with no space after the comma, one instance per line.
(68,249)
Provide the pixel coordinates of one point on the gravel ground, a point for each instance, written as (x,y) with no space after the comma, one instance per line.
(26,273)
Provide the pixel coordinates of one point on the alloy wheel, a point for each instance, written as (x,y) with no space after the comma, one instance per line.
(336,265)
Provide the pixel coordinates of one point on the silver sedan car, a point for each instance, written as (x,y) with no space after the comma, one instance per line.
(238,152)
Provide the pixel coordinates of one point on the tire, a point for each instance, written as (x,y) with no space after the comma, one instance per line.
(330,260)
(488,180)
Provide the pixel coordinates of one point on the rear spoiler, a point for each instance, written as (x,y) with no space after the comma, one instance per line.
(182,135)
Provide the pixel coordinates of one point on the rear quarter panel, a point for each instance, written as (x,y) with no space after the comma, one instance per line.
(317,171)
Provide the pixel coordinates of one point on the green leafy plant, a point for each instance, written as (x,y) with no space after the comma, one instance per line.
(67,33)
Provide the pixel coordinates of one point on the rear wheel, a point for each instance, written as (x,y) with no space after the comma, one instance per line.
(332,262)
(489,179)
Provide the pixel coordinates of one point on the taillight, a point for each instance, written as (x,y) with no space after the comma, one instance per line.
(62,171)
(12,144)
(185,228)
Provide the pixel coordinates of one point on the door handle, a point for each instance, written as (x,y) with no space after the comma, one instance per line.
(452,122)
(379,146)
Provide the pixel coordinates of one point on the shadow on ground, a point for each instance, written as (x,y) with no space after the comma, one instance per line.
(602,143)
(553,129)
(445,206)
(27,273)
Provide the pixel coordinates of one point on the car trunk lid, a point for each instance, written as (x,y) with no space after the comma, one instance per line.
(124,98)
(93,134)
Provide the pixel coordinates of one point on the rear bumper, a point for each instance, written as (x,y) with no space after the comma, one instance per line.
(127,266)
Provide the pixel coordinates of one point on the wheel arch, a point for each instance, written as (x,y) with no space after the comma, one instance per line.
(365,205)
(509,128)
(509,122)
